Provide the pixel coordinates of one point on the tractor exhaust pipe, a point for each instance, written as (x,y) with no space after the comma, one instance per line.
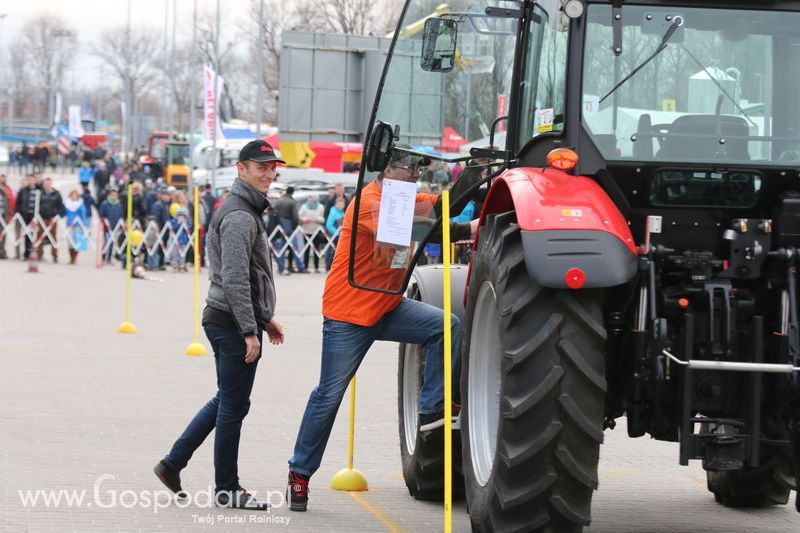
(733,366)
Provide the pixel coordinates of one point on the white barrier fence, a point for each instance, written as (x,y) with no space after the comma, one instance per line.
(99,235)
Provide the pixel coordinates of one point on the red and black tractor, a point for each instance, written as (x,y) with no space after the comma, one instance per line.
(635,166)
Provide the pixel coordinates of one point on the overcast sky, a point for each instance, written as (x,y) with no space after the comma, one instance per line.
(93,14)
(89,17)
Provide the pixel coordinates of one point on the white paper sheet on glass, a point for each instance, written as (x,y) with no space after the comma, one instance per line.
(396,212)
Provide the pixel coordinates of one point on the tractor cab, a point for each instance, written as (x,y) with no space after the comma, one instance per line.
(168,154)
(176,159)
(664,104)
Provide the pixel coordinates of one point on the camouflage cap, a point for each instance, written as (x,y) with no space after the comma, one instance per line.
(401,155)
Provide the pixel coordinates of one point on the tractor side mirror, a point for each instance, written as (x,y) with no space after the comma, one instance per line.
(439,45)
(381,144)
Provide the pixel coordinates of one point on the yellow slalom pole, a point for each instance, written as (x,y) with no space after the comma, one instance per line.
(127,326)
(349,478)
(196,348)
(351,441)
(448,369)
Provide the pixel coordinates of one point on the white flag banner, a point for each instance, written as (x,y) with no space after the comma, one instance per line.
(210,122)
(208,102)
(75,128)
(57,116)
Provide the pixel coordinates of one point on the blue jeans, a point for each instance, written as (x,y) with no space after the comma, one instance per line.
(153,260)
(288,227)
(344,346)
(225,411)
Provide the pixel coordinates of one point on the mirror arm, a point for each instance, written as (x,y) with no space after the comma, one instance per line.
(503,12)
(484,153)
(494,126)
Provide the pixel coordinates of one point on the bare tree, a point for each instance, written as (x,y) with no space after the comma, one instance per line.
(50,46)
(275,21)
(180,68)
(18,76)
(104,100)
(131,58)
(353,17)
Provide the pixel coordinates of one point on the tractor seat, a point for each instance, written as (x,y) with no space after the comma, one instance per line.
(697,137)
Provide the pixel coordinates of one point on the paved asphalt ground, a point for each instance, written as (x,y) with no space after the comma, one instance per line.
(84,408)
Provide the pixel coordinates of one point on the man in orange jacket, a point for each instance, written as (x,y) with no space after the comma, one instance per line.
(355,318)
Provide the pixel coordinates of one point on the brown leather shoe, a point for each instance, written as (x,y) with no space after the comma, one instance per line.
(169,477)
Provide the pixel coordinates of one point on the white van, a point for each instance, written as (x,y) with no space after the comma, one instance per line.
(287,176)
(226,157)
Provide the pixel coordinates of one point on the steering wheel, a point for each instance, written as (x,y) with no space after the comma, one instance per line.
(420,228)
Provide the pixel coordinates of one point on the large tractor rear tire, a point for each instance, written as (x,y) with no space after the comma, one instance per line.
(763,486)
(422,454)
(532,391)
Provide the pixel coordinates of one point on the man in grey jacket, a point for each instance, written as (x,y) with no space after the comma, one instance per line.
(239,307)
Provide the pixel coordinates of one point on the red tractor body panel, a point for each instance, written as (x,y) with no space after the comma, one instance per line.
(573,235)
(549,199)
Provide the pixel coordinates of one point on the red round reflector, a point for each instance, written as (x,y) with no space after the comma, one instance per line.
(575,278)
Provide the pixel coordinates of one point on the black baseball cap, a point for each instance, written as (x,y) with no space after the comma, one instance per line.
(260,151)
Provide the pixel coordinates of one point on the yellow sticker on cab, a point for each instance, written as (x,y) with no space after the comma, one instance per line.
(571,213)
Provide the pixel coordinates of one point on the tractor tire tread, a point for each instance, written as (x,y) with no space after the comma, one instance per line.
(551,423)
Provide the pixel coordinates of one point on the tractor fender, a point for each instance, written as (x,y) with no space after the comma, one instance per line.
(427,286)
(573,235)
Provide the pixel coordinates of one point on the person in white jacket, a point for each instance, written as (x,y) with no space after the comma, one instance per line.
(312,217)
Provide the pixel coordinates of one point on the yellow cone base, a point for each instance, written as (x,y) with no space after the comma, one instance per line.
(127,327)
(349,479)
(196,349)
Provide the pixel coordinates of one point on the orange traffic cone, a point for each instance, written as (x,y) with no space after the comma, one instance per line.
(33,262)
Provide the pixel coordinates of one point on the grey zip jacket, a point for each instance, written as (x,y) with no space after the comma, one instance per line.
(240,268)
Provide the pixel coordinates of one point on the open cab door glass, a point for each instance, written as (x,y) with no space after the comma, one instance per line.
(447,78)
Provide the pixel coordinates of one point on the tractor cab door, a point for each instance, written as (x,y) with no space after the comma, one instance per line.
(177,153)
(445,90)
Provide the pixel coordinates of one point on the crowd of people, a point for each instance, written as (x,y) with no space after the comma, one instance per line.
(37,158)
(154,208)
(101,191)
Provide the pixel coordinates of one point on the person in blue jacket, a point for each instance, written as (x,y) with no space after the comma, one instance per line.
(181,231)
(85,174)
(160,213)
(111,213)
(333,225)
(88,201)
(77,223)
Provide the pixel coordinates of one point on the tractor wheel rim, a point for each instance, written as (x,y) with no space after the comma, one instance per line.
(411,386)
(484,384)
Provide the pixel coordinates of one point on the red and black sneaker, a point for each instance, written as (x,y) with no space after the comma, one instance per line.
(297,491)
